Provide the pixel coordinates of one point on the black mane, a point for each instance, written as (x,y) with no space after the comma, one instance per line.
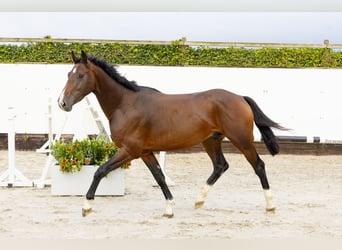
(114,74)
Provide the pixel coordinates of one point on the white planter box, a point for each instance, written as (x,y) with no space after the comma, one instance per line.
(78,183)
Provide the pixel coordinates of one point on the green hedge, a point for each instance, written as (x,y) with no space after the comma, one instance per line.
(173,55)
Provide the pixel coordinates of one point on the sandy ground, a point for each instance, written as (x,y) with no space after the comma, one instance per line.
(307,192)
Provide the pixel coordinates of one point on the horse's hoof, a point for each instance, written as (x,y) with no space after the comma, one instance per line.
(199,204)
(86,211)
(270,209)
(168,216)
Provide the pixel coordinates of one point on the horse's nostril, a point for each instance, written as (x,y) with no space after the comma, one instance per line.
(61,103)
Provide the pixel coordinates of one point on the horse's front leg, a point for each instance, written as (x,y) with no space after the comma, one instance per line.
(120,158)
(152,163)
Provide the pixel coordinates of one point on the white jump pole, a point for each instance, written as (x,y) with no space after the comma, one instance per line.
(12,174)
(46,146)
(43,181)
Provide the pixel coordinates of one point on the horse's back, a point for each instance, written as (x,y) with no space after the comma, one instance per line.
(223,99)
(208,102)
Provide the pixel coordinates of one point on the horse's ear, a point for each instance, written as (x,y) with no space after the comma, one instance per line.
(84,57)
(74,58)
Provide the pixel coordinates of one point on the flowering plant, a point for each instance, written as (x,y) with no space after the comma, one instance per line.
(73,155)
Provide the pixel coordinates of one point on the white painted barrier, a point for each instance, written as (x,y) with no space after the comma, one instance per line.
(12,176)
(305,100)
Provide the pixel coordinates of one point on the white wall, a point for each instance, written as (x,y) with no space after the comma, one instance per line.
(306,100)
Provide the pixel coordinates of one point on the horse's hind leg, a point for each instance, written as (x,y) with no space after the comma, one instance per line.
(213,147)
(261,173)
(152,163)
(259,168)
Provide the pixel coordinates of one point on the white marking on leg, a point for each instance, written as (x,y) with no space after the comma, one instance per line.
(87,208)
(202,195)
(169,208)
(269,200)
(86,204)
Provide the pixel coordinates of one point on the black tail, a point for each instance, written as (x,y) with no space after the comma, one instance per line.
(265,124)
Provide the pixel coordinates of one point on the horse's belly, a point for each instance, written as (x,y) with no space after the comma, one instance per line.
(179,139)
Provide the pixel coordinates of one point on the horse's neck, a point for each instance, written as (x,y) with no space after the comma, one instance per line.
(109,94)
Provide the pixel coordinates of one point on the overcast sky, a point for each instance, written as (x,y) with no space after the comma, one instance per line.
(290,27)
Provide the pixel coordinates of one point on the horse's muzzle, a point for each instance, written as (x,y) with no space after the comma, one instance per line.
(63,106)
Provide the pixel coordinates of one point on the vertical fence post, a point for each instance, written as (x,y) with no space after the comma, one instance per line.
(11,146)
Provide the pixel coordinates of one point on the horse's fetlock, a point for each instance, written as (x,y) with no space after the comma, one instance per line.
(225,167)
(259,171)
(90,196)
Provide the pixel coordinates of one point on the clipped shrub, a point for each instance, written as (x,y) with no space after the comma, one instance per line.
(174,54)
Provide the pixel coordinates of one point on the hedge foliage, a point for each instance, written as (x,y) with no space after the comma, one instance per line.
(173,55)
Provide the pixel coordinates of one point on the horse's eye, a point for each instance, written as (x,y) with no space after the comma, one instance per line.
(80,75)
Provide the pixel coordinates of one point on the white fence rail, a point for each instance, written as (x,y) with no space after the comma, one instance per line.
(182,41)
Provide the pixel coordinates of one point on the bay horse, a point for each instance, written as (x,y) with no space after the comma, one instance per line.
(143,120)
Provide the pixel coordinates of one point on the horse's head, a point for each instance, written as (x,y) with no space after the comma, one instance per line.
(81,81)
